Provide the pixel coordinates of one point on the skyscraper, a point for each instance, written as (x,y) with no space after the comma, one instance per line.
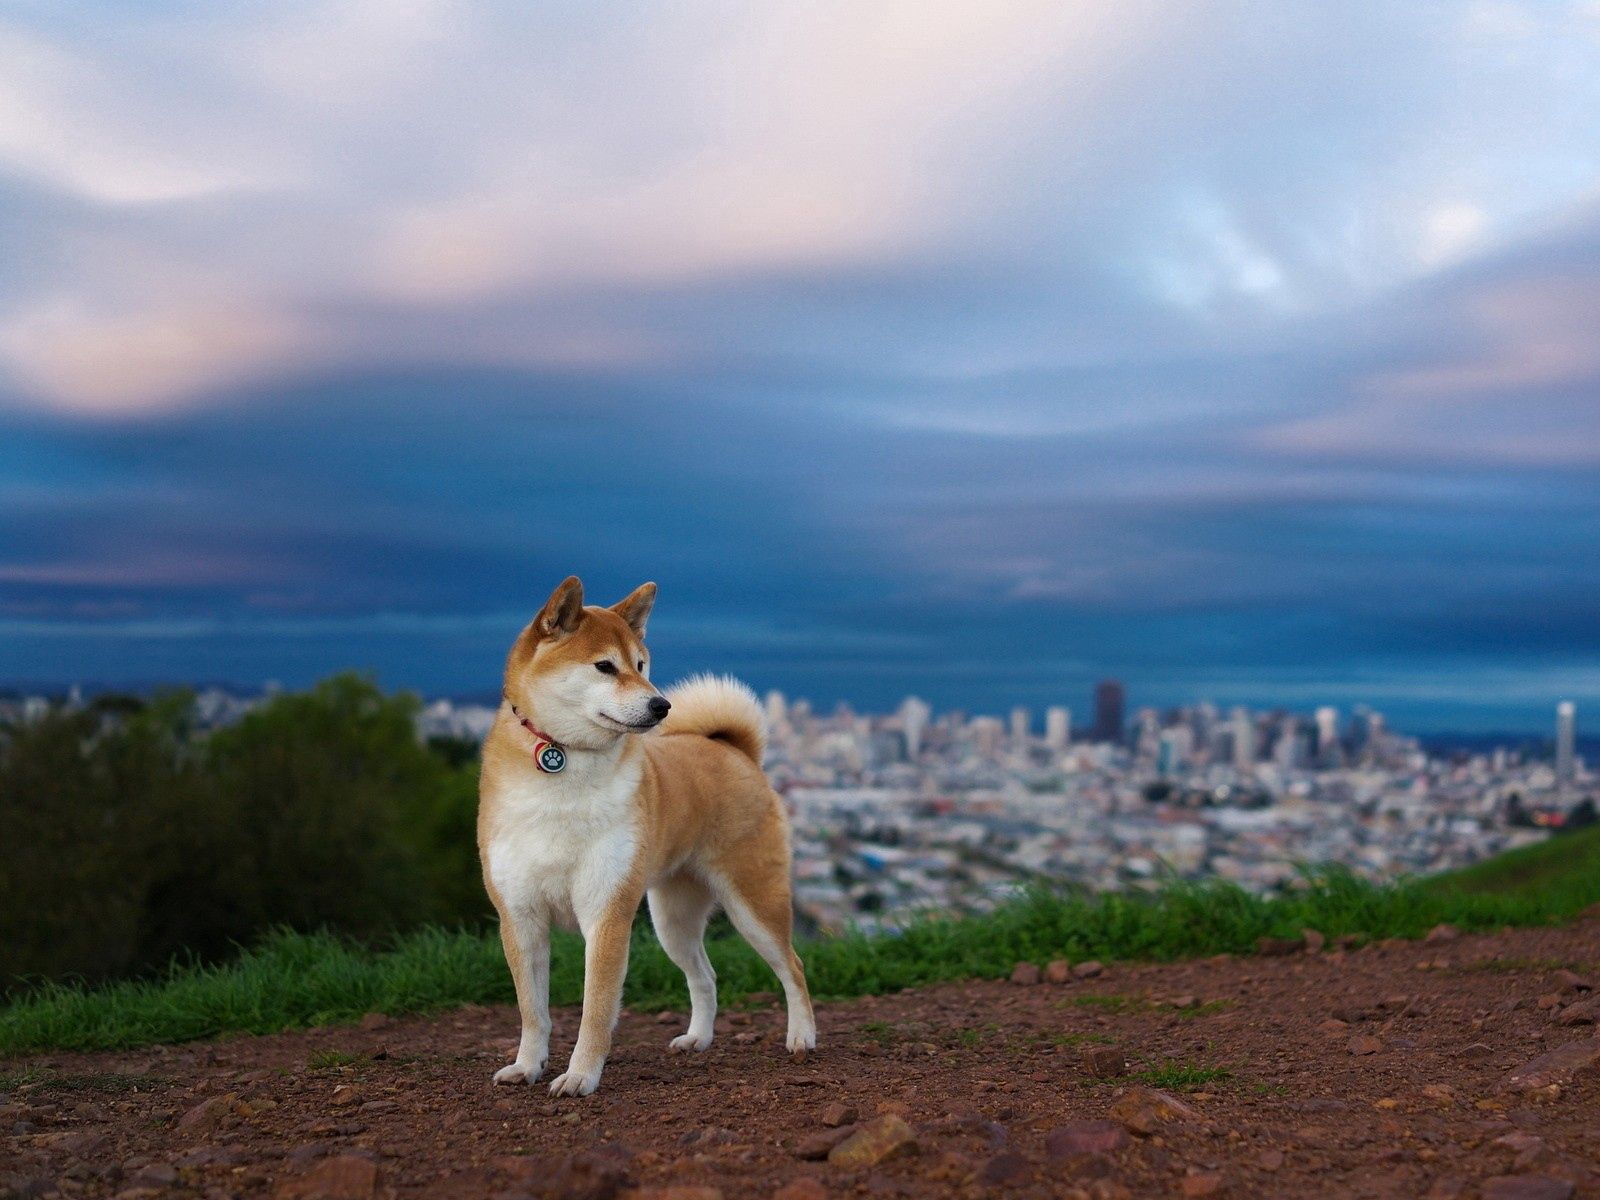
(1566,743)
(914,714)
(1244,739)
(1108,700)
(1327,732)
(1021,725)
(1057,727)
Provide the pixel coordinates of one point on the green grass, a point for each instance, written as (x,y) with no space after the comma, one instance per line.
(1560,869)
(1178,1075)
(332,1060)
(294,980)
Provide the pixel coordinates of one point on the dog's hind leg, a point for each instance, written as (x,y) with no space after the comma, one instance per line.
(759,906)
(679,908)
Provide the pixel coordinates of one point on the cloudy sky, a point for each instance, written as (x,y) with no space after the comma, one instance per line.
(1247,351)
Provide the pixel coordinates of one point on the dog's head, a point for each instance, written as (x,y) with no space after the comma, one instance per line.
(582,674)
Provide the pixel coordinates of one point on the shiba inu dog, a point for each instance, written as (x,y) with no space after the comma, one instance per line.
(597,790)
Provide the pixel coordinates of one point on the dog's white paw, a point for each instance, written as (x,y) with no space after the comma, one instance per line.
(519,1072)
(801,1040)
(574,1083)
(689,1041)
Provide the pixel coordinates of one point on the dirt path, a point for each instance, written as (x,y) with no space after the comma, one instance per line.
(1382,1072)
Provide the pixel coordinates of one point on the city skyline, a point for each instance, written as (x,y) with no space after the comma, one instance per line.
(1229,350)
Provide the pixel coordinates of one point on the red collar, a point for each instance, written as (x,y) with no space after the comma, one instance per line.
(548,755)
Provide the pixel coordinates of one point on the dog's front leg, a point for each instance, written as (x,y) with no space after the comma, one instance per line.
(525,935)
(605,963)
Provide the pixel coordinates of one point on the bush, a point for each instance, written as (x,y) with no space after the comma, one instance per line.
(126,839)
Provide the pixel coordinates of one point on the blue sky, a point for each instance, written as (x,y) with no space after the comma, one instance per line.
(1243,350)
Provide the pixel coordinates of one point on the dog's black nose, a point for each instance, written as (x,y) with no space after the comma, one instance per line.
(659,706)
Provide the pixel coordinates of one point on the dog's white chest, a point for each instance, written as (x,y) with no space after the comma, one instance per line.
(563,846)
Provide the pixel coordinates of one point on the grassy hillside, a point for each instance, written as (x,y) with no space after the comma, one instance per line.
(1564,871)
(292,981)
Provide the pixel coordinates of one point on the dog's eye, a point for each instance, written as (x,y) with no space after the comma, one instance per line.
(606,667)
(641,664)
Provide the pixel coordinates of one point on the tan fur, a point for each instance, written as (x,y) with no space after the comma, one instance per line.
(719,708)
(683,813)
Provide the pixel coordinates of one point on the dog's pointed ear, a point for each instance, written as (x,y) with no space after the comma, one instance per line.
(562,612)
(635,610)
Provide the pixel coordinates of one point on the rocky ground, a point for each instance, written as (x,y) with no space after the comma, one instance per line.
(1458,1067)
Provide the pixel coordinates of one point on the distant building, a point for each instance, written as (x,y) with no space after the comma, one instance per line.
(986,733)
(1021,725)
(1057,727)
(914,715)
(1566,743)
(777,709)
(1109,698)
(1327,722)
(1244,739)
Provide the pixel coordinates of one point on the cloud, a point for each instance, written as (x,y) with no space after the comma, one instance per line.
(897,342)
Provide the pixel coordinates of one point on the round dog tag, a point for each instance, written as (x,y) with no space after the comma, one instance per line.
(551,759)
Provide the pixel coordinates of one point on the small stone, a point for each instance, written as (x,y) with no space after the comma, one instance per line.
(837,1114)
(875,1142)
(1145,1110)
(211,1114)
(1275,947)
(159,1175)
(1442,933)
(1057,971)
(1087,970)
(1441,1094)
(1477,1051)
(711,1135)
(346,1177)
(667,1018)
(596,1174)
(746,1037)
(1202,1183)
(1184,1002)
(1314,940)
(1104,1062)
(1447,1187)
(804,1188)
(1519,1142)
(1007,1167)
(375,1020)
(1585,1012)
(1270,1159)
(1556,1066)
(1085,1137)
(345,1094)
(1365,1044)
(1571,981)
(1026,973)
(1334,1025)
(1525,1187)
(817,1145)
(1549,1001)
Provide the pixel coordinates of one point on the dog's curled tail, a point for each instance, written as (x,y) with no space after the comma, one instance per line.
(719,707)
